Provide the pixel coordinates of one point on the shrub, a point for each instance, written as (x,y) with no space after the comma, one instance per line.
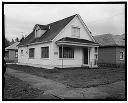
(121,65)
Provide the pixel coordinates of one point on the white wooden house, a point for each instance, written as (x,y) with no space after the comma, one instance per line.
(44,46)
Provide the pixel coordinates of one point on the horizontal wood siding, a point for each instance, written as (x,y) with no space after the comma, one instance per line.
(107,55)
(12,55)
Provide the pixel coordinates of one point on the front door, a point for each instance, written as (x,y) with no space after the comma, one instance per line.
(85,52)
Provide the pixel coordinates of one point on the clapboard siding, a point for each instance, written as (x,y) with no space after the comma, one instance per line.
(118,49)
(107,55)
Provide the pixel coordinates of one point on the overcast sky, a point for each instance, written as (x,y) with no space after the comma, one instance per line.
(100,18)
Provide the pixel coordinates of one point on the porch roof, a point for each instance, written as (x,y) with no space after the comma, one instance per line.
(76,42)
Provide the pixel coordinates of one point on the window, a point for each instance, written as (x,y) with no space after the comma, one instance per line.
(76,31)
(21,51)
(96,49)
(44,52)
(31,52)
(16,54)
(68,52)
(121,55)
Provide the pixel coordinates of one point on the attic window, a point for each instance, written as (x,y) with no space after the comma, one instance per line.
(76,31)
(39,32)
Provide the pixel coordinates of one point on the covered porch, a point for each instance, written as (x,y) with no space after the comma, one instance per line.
(88,51)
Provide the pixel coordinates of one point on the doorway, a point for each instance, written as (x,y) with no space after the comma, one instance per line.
(85,54)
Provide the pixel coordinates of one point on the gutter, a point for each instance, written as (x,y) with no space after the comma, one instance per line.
(77,43)
(74,43)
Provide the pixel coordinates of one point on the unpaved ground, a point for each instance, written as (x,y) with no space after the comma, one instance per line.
(115,90)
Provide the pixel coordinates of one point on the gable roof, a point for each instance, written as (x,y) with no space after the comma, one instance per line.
(109,40)
(50,34)
(13,46)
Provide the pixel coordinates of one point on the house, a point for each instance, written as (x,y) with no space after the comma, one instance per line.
(45,45)
(11,52)
(112,48)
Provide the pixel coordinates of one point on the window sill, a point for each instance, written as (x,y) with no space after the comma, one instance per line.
(44,58)
(121,59)
(74,36)
(66,58)
(31,58)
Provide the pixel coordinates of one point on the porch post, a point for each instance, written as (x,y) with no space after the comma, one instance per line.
(62,56)
(89,56)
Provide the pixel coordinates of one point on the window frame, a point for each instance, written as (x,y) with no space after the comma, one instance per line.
(121,55)
(73,34)
(16,54)
(47,56)
(65,53)
(33,53)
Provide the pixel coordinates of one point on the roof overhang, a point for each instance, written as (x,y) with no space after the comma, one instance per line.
(112,46)
(36,43)
(60,43)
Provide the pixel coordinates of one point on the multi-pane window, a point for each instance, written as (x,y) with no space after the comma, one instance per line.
(76,31)
(31,52)
(16,54)
(121,55)
(68,52)
(44,52)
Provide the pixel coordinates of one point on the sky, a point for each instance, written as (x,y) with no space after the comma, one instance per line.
(99,18)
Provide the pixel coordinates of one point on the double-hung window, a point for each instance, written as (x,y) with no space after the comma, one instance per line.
(121,55)
(68,52)
(31,52)
(76,31)
(44,52)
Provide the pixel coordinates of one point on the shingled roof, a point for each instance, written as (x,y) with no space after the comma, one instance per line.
(13,46)
(51,32)
(110,40)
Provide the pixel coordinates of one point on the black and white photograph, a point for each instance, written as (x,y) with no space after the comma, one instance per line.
(62,51)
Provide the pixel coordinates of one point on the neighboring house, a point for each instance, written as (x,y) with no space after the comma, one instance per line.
(112,48)
(11,52)
(45,45)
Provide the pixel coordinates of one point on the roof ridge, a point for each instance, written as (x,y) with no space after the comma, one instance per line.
(61,19)
(55,28)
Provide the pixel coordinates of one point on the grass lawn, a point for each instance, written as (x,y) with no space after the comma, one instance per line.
(76,78)
(17,89)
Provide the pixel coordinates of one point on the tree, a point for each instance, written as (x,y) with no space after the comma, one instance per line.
(17,39)
(7,42)
(22,38)
(12,42)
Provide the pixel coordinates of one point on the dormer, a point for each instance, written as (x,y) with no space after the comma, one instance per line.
(40,30)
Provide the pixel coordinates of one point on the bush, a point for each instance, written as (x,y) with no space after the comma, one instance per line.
(121,65)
